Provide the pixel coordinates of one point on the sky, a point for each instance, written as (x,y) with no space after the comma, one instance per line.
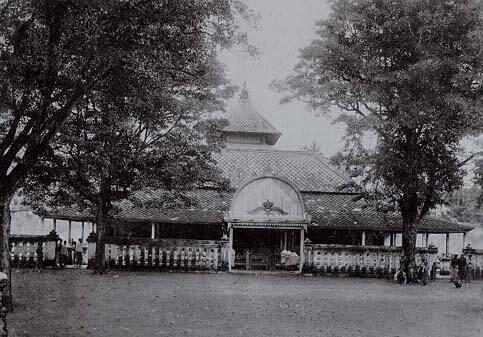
(286,26)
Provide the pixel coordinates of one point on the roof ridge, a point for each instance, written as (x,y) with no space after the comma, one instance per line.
(271,149)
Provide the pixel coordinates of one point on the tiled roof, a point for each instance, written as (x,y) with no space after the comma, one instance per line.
(209,208)
(69,213)
(328,210)
(308,171)
(242,118)
(342,211)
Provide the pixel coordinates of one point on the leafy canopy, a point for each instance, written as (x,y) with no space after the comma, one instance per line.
(407,72)
(54,53)
(145,126)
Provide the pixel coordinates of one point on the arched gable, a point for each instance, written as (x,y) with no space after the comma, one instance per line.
(268,198)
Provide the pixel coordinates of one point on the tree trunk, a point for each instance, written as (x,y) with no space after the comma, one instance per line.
(4,245)
(409,247)
(100,259)
(103,209)
(409,212)
(5,234)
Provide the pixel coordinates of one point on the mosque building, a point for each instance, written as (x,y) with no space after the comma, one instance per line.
(285,208)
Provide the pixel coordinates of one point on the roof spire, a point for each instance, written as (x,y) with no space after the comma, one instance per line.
(244,93)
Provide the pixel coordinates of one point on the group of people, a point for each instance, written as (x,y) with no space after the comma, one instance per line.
(461,270)
(63,253)
(417,273)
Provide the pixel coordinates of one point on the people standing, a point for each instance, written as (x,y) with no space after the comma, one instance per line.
(424,271)
(433,271)
(462,268)
(40,256)
(469,269)
(453,268)
(64,252)
(78,253)
(58,247)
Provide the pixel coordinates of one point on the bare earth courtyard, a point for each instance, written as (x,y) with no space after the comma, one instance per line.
(77,303)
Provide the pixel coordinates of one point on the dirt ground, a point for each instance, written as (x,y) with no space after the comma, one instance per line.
(77,303)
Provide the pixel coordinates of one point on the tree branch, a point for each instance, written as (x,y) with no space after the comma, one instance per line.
(470,158)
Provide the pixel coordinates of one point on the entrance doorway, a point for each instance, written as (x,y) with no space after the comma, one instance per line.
(265,249)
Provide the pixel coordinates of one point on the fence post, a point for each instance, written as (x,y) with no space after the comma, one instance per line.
(168,257)
(3,310)
(123,256)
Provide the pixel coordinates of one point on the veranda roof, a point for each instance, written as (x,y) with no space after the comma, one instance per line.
(328,211)
(342,211)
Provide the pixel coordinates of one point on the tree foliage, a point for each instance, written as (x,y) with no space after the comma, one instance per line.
(128,141)
(479,180)
(410,74)
(55,53)
(463,205)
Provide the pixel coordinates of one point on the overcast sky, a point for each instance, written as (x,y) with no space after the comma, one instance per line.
(286,26)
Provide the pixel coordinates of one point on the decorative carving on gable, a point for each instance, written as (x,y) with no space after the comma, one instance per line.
(267,208)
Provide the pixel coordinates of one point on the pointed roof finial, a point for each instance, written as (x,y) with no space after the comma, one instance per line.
(244,93)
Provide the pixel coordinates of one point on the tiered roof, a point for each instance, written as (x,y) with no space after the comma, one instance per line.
(315,178)
(244,119)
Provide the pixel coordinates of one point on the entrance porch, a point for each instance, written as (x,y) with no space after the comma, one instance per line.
(266,249)
(266,246)
(267,223)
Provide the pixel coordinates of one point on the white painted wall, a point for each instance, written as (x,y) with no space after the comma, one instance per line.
(25,222)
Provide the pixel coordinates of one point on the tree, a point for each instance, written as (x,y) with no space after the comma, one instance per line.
(128,137)
(409,73)
(462,205)
(54,53)
(479,179)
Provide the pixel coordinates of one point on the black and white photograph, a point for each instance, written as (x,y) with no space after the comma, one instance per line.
(252,168)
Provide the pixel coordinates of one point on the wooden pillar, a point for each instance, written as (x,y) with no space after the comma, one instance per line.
(285,240)
(69,235)
(92,226)
(302,255)
(391,240)
(447,244)
(230,249)
(153,230)
(464,240)
(82,231)
(42,223)
(363,238)
(427,240)
(55,224)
